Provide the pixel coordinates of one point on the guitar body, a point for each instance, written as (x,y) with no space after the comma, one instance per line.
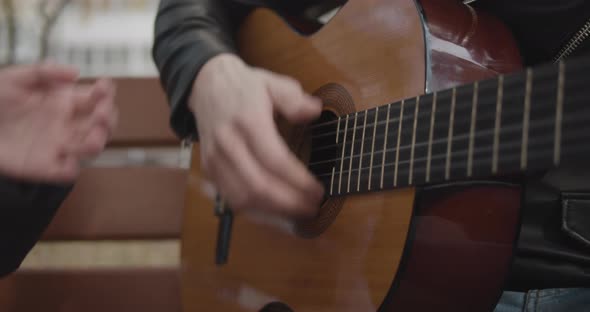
(441,247)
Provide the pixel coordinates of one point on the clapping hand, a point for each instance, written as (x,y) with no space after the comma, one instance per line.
(50,123)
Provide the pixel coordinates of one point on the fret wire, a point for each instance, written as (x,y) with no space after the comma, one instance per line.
(332,181)
(515,128)
(559,114)
(472,130)
(338,130)
(335,121)
(526,119)
(373,146)
(498,125)
(342,159)
(382,123)
(385,144)
(546,151)
(464,137)
(557,130)
(450,138)
(515,142)
(421,114)
(358,183)
(498,122)
(410,176)
(351,152)
(334,167)
(430,137)
(399,137)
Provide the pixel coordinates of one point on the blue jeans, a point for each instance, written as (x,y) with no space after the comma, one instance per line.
(546,300)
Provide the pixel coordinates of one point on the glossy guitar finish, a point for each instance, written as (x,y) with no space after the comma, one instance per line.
(373,254)
(459,249)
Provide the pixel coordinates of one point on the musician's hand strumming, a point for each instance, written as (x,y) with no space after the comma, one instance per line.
(242,151)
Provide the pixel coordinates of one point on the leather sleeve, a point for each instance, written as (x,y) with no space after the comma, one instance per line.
(187,34)
(26,209)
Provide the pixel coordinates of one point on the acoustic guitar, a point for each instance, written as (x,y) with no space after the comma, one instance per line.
(430,121)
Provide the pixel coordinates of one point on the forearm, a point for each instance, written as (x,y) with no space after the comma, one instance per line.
(188,33)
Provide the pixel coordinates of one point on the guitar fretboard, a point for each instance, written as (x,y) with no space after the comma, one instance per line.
(527,121)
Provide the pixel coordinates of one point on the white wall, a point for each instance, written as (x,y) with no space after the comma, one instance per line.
(114,41)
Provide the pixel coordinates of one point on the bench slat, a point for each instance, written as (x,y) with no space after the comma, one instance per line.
(122,203)
(143,113)
(115,290)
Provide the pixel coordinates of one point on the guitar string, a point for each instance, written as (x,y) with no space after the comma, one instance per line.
(509,143)
(542,86)
(574,69)
(513,162)
(579,135)
(505,129)
(514,128)
(508,98)
(542,151)
(457,137)
(546,152)
(513,110)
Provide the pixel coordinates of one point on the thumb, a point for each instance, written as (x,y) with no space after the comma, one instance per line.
(291,101)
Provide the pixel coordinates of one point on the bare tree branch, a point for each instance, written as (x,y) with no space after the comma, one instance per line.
(8,7)
(49,19)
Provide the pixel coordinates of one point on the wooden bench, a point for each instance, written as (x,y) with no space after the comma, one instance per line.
(126,201)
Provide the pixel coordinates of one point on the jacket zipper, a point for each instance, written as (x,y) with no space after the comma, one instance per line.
(574,43)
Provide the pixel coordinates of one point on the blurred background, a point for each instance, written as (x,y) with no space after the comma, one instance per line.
(100,37)
(121,222)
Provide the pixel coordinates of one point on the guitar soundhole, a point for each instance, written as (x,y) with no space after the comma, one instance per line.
(322,155)
(276,307)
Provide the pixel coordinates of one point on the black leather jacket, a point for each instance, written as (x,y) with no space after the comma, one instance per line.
(554,244)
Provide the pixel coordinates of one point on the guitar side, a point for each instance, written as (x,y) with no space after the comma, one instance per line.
(371,53)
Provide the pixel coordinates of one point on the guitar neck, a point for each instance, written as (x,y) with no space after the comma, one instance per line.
(527,121)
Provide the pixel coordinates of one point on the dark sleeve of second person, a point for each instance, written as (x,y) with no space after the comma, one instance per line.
(26,209)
